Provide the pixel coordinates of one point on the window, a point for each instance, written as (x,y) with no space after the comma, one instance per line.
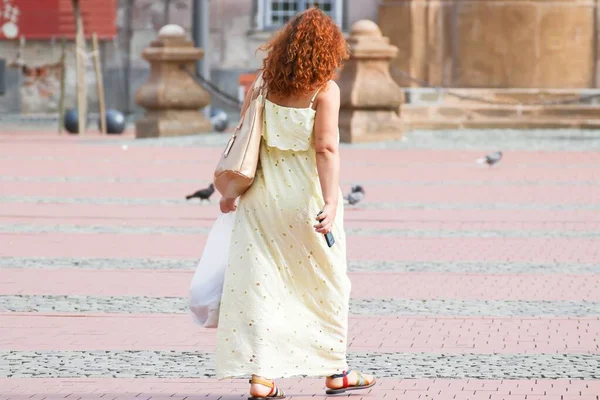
(272,14)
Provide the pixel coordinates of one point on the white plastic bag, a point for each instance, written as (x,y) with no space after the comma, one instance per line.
(207,285)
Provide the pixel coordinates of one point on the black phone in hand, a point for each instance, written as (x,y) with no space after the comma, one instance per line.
(329,239)
(328,236)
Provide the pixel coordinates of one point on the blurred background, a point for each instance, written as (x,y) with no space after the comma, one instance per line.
(125,28)
(514,63)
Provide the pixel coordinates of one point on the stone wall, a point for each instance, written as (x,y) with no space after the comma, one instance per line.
(35,88)
(494,43)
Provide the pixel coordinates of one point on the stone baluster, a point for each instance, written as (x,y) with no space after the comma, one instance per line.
(171,97)
(370,98)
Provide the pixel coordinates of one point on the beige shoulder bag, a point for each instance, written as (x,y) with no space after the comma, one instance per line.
(236,170)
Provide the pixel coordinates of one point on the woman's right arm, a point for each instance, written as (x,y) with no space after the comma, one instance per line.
(327,153)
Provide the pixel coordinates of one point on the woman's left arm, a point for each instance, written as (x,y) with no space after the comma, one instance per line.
(327,154)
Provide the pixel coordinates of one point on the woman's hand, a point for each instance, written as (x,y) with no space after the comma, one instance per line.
(326,219)
(227,205)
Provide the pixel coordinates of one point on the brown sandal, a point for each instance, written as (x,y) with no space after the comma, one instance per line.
(360,383)
(275,393)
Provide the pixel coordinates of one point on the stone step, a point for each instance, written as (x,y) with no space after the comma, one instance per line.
(478,111)
(504,123)
(422,96)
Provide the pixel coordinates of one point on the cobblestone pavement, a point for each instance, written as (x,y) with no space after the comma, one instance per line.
(419,286)
(179,305)
(177,230)
(353,265)
(175,364)
(131,201)
(468,282)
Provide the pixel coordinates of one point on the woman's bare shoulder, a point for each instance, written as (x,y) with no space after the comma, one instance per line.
(329,93)
(332,87)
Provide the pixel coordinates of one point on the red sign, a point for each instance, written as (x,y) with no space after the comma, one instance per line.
(47,19)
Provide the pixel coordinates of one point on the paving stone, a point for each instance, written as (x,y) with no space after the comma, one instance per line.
(97,263)
(486,139)
(27,228)
(129,201)
(485,267)
(373,333)
(365,285)
(179,305)
(184,230)
(100,179)
(538,207)
(499,267)
(464,139)
(175,364)
(368,182)
(106,229)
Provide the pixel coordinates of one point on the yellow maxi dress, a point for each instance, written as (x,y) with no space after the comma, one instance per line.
(284,309)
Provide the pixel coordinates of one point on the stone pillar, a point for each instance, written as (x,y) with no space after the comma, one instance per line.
(370,99)
(171,97)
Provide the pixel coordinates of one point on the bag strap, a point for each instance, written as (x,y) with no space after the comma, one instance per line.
(258,84)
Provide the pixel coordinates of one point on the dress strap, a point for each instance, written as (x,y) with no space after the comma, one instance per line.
(312,100)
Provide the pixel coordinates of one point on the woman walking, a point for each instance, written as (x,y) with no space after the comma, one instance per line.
(284,310)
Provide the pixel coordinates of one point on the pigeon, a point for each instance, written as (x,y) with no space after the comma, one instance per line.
(357,193)
(357,188)
(203,194)
(491,158)
(219,120)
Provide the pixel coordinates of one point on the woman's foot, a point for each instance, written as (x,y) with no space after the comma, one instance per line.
(350,380)
(261,388)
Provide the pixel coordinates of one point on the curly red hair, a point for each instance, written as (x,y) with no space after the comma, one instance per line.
(304,55)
